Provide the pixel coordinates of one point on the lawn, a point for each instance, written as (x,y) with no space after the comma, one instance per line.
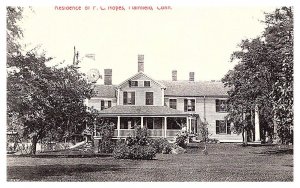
(224,162)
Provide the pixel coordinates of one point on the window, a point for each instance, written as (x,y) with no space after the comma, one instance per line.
(223,127)
(173,103)
(133,83)
(154,122)
(189,105)
(221,105)
(146,83)
(149,98)
(175,123)
(105,104)
(128,98)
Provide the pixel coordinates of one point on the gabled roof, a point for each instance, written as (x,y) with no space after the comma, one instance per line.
(124,110)
(106,91)
(195,88)
(138,75)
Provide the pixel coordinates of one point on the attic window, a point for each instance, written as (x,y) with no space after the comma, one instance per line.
(146,83)
(133,83)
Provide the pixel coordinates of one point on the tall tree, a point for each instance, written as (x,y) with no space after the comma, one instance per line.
(42,101)
(264,77)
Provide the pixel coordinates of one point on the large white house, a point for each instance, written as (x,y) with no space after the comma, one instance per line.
(164,107)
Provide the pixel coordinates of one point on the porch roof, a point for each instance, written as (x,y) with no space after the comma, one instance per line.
(124,110)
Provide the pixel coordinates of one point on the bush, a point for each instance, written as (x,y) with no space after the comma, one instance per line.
(161,145)
(167,148)
(135,147)
(123,151)
(106,146)
(181,139)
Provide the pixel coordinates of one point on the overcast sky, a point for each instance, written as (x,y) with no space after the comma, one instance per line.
(186,38)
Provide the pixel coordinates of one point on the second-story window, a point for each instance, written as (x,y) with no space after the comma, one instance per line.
(173,103)
(221,105)
(128,98)
(189,105)
(149,98)
(105,104)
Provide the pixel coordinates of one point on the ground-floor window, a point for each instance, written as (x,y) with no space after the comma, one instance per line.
(176,123)
(153,122)
(129,122)
(223,127)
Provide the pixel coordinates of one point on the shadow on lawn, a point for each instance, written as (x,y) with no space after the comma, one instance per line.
(37,173)
(287,151)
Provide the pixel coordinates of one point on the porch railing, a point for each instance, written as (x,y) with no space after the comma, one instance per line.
(152,132)
(172,132)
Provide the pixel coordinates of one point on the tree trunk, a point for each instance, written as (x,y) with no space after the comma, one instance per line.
(34,143)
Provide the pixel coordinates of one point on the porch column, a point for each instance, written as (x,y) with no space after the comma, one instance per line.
(187,124)
(95,131)
(256,122)
(118,126)
(142,121)
(165,127)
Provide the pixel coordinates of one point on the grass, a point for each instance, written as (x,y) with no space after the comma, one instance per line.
(224,162)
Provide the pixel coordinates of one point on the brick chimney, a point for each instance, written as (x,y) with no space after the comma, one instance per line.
(140,63)
(174,75)
(192,76)
(107,76)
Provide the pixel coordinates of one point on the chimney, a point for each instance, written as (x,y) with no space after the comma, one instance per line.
(140,63)
(174,75)
(192,76)
(107,76)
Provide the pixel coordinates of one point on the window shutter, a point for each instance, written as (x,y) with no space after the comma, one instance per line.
(185,105)
(193,105)
(108,104)
(124,97)
(217,127)
(228,127)
(129,83)
(102,104)
(217,105)
(133,98)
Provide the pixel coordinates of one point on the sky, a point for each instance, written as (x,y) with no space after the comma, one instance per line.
(196,39)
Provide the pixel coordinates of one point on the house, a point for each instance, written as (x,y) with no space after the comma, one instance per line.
(164,107)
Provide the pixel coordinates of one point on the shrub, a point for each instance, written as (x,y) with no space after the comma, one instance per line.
(106,146)
(161,145)
(181,139)
(167,148)
(135,147)
(123,151)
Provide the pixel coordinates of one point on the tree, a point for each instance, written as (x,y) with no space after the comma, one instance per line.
(42,101)
(48,100)
(13,31)
(264,77)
